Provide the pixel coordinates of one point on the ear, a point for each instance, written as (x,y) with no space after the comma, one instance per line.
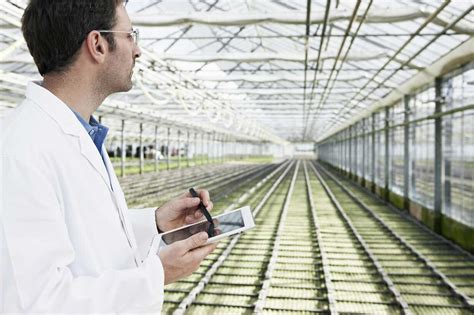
(96,46)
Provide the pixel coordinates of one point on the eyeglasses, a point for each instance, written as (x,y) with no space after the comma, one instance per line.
(134,33)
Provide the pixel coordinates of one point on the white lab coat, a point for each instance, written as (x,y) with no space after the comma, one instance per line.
(67,239)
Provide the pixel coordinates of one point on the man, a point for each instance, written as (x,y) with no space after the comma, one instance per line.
(68,241)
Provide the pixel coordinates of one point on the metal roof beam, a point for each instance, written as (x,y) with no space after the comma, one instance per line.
(382,15)
(463,52)
(264,57)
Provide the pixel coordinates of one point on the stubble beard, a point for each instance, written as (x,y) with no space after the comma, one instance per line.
(130,82)
(125,84)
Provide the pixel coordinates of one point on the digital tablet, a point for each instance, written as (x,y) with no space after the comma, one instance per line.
(228,223)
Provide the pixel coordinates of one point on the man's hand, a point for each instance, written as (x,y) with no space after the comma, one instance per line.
(182,258)
(181,211)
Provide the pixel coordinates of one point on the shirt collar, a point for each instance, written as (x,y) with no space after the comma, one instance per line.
(96,130)
(83,122)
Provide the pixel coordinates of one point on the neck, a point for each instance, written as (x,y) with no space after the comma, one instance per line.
(78,92)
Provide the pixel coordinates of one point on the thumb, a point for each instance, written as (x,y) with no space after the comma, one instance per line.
(196,240)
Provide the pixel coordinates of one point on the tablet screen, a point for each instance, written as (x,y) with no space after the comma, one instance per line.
(224,223)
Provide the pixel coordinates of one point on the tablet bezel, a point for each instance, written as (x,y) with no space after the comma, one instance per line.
(246,216)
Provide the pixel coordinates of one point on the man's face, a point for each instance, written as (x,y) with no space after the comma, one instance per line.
(119,67)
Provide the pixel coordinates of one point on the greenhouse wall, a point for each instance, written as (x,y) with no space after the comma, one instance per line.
(418,154)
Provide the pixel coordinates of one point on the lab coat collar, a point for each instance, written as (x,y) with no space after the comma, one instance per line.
(68,122)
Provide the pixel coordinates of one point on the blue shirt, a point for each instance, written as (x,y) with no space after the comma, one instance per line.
(96,131)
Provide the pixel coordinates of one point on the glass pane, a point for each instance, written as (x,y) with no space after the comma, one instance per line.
(458,151)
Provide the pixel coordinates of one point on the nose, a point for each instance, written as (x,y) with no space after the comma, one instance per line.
(137,52)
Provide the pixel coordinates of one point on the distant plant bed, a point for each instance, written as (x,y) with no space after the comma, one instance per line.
(132,165)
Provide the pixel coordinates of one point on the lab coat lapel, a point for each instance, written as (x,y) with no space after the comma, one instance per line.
(90,152)
(69,124)
(119,198)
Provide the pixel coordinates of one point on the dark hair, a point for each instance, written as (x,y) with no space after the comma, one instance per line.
(54,30)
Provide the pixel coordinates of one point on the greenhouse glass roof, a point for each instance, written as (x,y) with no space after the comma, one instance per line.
(273,71)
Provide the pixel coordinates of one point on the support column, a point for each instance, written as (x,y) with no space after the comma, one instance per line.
(141,148)
(363,151)
(195,146)
(343,150)
(123,151)
(234,150)
(209,148)
(339,151)
(406,153)
(223,149)
(187,150)
(350,157)
(356,155)
(179,149)
(219,149)
(413,155)
(202,148)
(157,149)
(168,150)
(373,153)
(387,154)
(438,151)
(447,148)
(214,148)
(346,148)
(219,141)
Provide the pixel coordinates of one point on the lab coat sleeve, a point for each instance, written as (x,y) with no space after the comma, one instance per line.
(144,228)
(40,250)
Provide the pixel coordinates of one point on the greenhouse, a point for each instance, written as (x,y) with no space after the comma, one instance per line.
(347,127)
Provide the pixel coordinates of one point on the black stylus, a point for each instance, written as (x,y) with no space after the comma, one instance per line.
(204,211)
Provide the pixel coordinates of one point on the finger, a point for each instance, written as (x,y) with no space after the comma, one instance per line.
(189,219)
(188,193)
(201,252)
(185,203)
(204,194)
(210,205)
(195,241)
(192,218)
